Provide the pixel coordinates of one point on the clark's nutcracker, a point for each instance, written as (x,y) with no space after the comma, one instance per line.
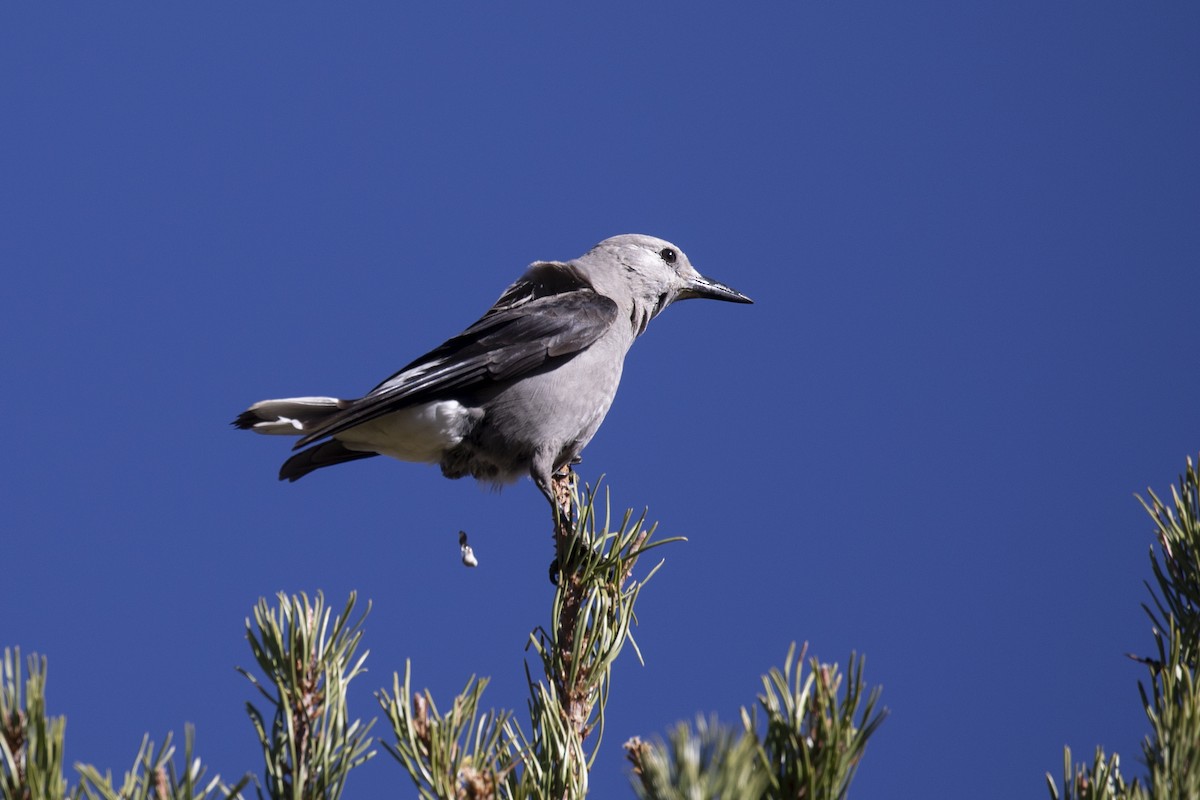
(520,392)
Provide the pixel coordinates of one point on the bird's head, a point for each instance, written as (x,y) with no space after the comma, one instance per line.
(651,273)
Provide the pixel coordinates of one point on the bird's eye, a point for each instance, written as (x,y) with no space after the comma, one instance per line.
(668,255)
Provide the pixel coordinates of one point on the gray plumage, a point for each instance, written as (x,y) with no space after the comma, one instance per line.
(520,392)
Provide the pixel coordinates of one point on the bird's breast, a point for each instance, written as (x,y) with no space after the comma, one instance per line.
(560,406)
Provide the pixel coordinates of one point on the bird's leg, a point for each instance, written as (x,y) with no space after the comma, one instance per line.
(562,484)
(558,489)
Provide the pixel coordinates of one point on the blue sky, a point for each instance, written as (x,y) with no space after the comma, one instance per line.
(971,231)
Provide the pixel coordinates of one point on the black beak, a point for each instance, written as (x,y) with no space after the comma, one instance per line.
(702,287)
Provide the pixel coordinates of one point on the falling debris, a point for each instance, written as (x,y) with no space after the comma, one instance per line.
(468,555)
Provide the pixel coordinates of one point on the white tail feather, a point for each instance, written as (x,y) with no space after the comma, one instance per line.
(288,416)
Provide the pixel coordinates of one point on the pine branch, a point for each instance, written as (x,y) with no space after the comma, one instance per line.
(462,754)
(1171,696)
(31,750)
(810,745)
(1102,781)
(154,776)
(31,744)
(708,761)
(311,746)
(468,754)
(812,738)
(591,620)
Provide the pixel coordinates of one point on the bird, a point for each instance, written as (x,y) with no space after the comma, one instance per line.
(521,391)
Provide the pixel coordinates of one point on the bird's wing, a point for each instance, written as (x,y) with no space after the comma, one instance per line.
(551,313)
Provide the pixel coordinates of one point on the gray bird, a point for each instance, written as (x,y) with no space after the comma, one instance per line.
(520,392)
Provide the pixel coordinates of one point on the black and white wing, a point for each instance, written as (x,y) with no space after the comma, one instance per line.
(551,313)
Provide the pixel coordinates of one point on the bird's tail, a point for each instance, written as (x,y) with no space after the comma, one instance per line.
(288,416)
(296,416)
